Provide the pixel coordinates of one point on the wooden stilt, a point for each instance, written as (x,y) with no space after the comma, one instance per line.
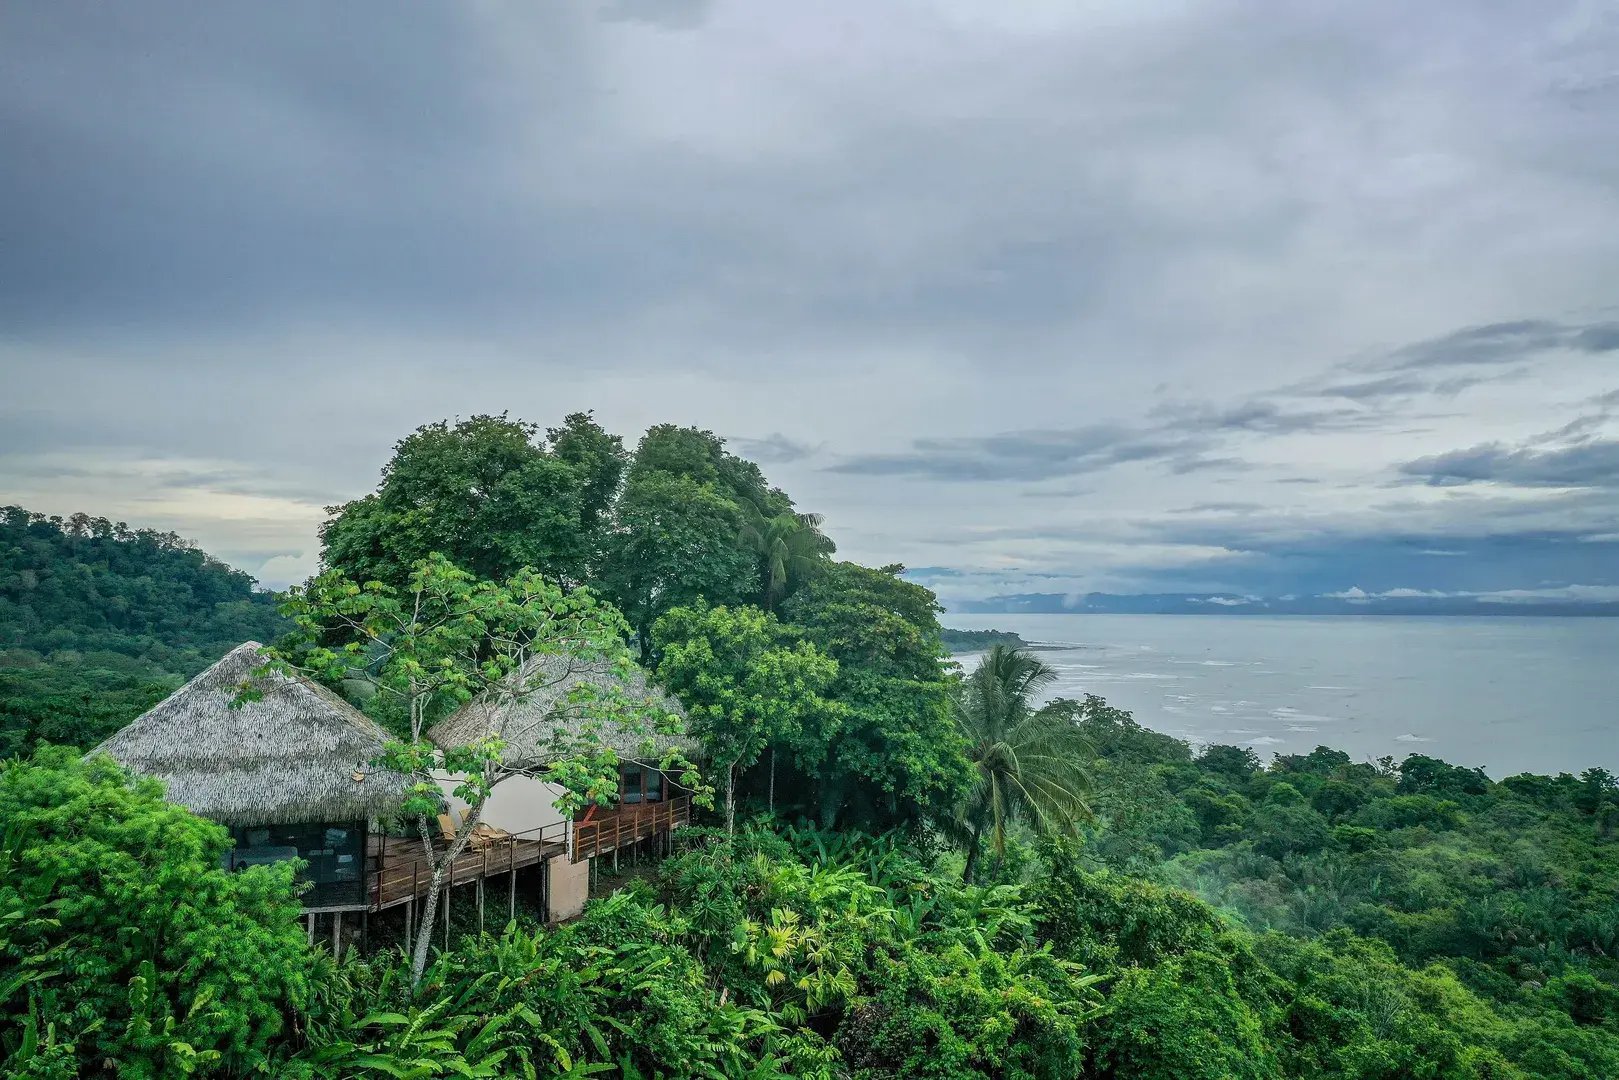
(311,928)
(511,915)
(446,917)
(410,920)
(480,905)
(365,930)
(337,935)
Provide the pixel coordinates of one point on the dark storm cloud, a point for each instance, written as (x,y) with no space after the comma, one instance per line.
(244,249)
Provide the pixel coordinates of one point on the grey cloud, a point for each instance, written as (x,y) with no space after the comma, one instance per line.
(668,14)
(1204,463)
(1021,455)
(1264,417)
(259,245)
(1603,337)
(1505,343)
(774,449)
(1181,435)
(1593,463)
(1397,386)
(1220,508)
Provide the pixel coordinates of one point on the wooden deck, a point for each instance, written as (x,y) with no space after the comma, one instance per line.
(627,825)
(400,872)
(397,871)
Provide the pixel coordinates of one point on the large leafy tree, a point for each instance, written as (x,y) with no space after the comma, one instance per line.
(490,494)
(1028,760)
(898,749)
(680,534)
(748,684)
(701,456)
(450,638)
(123,942)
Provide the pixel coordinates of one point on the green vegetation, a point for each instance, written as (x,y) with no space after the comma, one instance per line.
(928,874)
(99,621)
(1028,759)
(960,641)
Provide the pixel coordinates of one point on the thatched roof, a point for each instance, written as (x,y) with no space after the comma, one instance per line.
(541,725)
(299,753)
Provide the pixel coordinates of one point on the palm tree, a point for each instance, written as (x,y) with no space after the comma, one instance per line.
(1028,762)
(789,544)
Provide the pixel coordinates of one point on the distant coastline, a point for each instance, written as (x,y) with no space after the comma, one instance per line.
(1351,602)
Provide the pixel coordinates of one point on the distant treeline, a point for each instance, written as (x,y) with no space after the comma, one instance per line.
(960,641)
(98,621)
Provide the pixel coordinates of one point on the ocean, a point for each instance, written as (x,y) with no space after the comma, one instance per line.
(1508,694)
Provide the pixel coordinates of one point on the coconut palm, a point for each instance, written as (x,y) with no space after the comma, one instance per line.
(789,544)
(1028,761)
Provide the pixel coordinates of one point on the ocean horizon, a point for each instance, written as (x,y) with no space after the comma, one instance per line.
(1509,695)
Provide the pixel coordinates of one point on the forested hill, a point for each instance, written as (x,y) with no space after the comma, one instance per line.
(98,621)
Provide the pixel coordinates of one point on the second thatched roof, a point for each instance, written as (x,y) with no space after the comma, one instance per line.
(543,723)
(299,753)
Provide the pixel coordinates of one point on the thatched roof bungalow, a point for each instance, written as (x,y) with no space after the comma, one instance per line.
(290,772)
(299,753)
(542,724)
(547,723)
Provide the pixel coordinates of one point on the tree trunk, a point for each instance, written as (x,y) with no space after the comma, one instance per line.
(441,864)
(424,932)
(972,855)
(831,802)
(730,800)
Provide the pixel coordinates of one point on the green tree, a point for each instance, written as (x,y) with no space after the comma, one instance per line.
(791,549)
(747,682)
(899,746)
(450,639)
(1183,1020)
(489,494)
(120,932)
(1028,761)
(677,542)
(701,456)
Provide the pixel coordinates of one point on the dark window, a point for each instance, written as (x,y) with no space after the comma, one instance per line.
(654,786)
(334,855)
(630,784)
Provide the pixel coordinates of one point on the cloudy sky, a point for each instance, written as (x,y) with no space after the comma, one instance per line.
(1050,296)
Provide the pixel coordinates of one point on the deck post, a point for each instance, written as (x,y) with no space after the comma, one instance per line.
(447,914)
(337,935)
(365,930)
(480,906)
(311,928)
(511,860)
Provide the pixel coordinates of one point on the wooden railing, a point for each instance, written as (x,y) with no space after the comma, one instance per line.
(630,823)
(401,871)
